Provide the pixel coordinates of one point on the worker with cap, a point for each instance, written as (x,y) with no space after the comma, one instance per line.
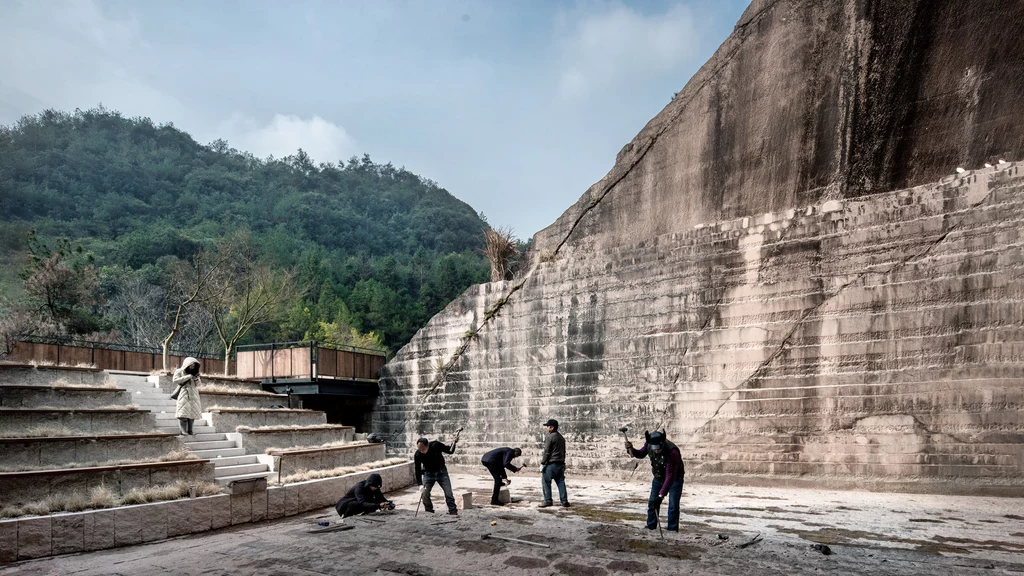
(553,465)
(363,498)
(667,467)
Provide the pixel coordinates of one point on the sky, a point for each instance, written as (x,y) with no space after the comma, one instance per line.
(515,107)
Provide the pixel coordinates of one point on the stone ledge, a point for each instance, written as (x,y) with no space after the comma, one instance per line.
(36,537)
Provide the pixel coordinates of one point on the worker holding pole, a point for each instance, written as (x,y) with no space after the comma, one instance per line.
(667,467)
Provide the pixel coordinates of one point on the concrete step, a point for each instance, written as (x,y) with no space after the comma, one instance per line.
(238,470)
(225,480)
(234,460)
(196,429)
(213,445)
(222,453)
(215,437)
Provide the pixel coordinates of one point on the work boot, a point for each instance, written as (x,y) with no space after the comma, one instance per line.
(453,512)
(497,503)
(431,511)
(545,505)
(565,504)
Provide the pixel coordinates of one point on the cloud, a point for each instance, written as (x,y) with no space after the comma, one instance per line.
(618,45)
(284,134)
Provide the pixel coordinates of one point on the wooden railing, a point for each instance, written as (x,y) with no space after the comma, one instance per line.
(308,359)
(104,356)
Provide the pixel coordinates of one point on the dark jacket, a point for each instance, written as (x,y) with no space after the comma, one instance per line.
(667,466)
(500,458)
(432,461)
(554,449)
(360,499)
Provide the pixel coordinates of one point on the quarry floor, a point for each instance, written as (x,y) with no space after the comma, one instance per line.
(602,534)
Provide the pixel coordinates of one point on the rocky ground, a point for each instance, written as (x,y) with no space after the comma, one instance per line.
(602,534)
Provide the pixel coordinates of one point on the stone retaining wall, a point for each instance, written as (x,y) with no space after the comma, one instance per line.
(37,537)
(65,450)
(257,441)
(327,458)
(60,397)
(20,488)
(241,400)
(96,422)
(228,420)
(28,375)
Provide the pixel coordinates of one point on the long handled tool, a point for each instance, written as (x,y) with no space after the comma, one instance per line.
(420,499)
(488,536)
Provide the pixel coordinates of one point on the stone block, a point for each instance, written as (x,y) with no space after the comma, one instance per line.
(291,500)
(201,514)
(275,503)
(220,511)
(128,525)
(35,538)
(8,541)
(504,496)
(259,505)
(464,500)
(154,523)
(178,517)
(68,533)
(247,486)
(241,508)
(99,529)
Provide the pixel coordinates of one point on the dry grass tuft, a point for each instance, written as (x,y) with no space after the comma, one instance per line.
(233,389)
(62,383)
(303,475)
(290,428)
(102,497)
(334,444)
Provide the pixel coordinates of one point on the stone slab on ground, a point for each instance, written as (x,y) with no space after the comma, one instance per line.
(602,533)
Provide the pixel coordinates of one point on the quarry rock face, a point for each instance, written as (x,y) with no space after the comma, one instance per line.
(782,269)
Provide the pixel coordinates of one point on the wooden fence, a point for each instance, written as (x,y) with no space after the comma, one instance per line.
(104,358)
(308,361)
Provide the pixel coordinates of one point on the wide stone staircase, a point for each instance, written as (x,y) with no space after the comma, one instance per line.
(228,456)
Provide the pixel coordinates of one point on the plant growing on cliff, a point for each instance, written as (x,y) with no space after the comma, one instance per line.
(501,249)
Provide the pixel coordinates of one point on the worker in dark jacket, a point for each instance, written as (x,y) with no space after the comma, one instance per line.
(496,461)
(553,464)
(363,498)
(667,467)
(430,469)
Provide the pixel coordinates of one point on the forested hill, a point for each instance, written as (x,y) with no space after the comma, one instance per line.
(377,248)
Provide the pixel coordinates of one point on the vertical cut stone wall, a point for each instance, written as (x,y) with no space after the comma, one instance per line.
(875,340)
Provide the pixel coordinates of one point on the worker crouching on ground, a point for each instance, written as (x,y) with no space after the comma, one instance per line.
(363,498)
(496,461)
(431,469)
(552,467)
(667,467)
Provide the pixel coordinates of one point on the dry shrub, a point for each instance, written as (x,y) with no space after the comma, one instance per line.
(303,475)
(500,249)
(175,455)
(102,497)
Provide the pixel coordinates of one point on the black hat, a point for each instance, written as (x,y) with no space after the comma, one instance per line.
(374,480)
(655,440)
(551,422)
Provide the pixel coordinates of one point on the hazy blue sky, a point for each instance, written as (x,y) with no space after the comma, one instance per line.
(515,107)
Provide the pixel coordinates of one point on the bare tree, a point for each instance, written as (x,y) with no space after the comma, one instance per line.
(191,281)
(500,250)
(246,293)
